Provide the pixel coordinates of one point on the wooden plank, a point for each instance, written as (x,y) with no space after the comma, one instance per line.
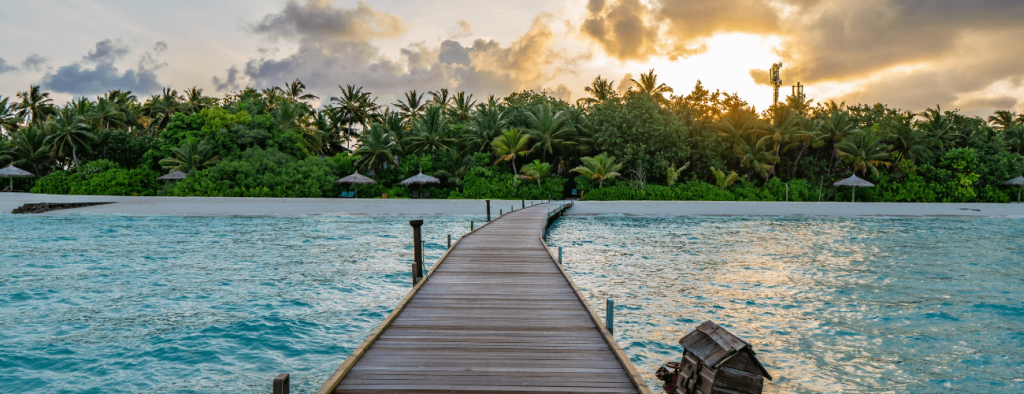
(495,314)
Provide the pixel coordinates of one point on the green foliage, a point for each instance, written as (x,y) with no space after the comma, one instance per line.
(57,182)
(492,183)
(639,132)
(118,182)
(262,173)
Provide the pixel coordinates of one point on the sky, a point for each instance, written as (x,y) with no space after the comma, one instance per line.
(909,54)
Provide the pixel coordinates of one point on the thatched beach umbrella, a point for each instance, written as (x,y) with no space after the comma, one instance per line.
(1018,181)
(14,172)
(356,179)
(421,180)
(854,181)
(174,176)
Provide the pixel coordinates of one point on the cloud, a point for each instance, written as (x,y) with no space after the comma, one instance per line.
(78,79)
(624,29)
(34,62)
(885,47)
(160,47)
(344,54)
(108,52)
(997,103)
(318,20)
(463,30)
(227,84)
(5,67)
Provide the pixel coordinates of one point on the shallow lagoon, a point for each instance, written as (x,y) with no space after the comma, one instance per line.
(92,303)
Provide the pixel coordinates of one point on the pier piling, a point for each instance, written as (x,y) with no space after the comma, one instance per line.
(559,255)
(281,383)
(449,241)
(488,210)
(417,264)
(609,317)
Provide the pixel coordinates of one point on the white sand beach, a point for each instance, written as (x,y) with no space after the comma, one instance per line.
(323,206)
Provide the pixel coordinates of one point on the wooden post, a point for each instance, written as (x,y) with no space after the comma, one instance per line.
(281,383)
(449,241)
(488,210)
(470,225)
(417,265)
(524,203)
(500,213)
(559,255)
(609,317)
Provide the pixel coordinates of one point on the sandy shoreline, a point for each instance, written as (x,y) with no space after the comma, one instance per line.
(323,206)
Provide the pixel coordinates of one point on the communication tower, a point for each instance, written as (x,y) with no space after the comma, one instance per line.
(798,91)
(776,80)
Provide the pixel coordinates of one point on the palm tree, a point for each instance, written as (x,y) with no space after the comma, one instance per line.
(375,148)
(911,143)
(940,127)
(430,132)
(755,155)
(161,109)
(272,97)
(672,173)
(295,90)
(194,101)
(1004,119)
(354,107)
(191,155)
(1015,138)
(105,113)
(601,167)
(548,128)
(35,105)
(808,135)
(440,98)
(453,167)
(723,180)
(413,104)
(511,144)
(535,171)
(462,107)
(30,147)
(865,150)
(648,84)
(9,119)
(487,123)
(600,90)
(68,134)
(836,124)
(737,124)
(785,126)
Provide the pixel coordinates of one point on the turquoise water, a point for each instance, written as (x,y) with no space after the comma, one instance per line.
(831,305)
(113,304)
(92,303)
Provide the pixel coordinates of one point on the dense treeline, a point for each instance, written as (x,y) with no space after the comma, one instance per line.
(647,143)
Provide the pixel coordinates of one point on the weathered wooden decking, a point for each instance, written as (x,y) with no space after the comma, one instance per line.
(497,314)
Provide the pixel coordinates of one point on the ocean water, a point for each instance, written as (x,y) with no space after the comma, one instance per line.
(112,304)
(852,305)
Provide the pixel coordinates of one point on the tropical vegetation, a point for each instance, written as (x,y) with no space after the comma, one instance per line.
(643,142)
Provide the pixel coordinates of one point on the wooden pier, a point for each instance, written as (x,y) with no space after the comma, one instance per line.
(496,314)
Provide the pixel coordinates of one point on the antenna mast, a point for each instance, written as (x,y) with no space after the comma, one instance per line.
(798,91)
(776,81)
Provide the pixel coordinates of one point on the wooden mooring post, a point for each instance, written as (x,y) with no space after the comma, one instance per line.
(524,203)
(281,383)
(449,241)
(488,210)
(559,255)
(417,264)
(470,225)
(609,316)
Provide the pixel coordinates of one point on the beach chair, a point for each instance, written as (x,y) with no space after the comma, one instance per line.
(426,195)
(415,194)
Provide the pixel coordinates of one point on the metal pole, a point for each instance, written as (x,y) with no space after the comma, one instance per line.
(417,265)
(281,383)
(559,255)
(609,317)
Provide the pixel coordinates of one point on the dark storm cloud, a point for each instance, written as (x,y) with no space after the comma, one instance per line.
(78,79)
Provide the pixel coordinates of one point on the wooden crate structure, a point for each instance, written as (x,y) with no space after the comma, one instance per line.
(717,362)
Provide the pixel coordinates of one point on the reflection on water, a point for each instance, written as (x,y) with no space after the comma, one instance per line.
(213,304)
(94,303)
(830,304)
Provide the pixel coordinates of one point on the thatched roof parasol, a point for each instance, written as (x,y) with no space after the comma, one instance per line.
(421,180)
(14,172)
(356,178)
(174,176)
(1018,181)
(854,181)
